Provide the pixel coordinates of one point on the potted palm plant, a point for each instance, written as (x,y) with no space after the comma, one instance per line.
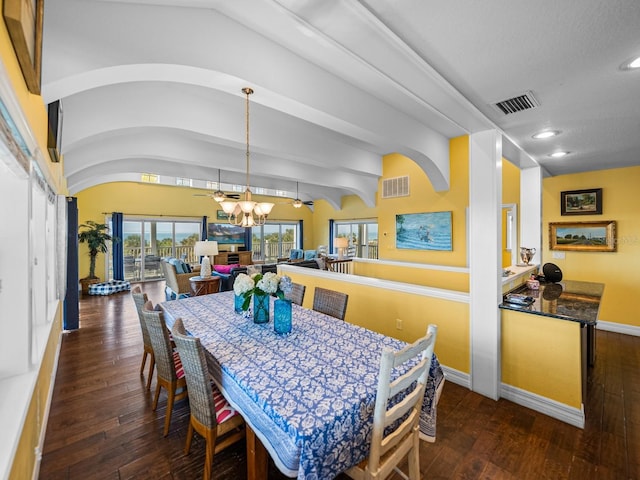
(96,236)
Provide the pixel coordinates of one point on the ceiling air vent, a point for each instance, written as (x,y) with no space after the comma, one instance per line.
(526,101)
(395,187)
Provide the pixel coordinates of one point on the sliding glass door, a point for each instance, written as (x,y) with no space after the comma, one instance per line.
(274,240)
(145,242)
(363,235)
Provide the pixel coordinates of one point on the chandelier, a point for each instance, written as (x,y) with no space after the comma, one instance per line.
(247,213)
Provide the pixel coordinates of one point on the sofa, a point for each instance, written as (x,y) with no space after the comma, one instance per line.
(227,281)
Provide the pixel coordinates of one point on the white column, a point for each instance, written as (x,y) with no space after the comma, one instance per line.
(531,211)
(485,244)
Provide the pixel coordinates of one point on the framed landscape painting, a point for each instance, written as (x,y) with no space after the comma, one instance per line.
(583,236)
(581,202)
(424,231)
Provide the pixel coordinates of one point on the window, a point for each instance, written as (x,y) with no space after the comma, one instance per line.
(183,182)
(363,234)
(274,240)
(212,185)
(150,178)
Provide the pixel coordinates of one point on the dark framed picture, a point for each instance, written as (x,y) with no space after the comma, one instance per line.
(583,236)
(220,215)
(225,233)
(23,19)
(581,202)
(424,231)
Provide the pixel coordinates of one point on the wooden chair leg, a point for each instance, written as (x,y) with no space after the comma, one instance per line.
(210,447)
(152,366)
(157,395)
(187,446)
(170,397)
(413,459)
(144,361)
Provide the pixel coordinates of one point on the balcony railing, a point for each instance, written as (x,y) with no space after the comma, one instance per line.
(152,271)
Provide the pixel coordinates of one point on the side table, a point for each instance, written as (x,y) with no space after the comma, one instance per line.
(204,285)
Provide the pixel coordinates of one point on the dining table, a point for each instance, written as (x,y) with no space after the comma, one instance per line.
(307,396)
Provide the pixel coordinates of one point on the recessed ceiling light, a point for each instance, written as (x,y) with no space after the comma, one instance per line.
(631,64)
(546,134)
(558,154)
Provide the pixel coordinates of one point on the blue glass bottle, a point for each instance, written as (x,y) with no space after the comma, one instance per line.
(282,316)
(238,300)
(260,308)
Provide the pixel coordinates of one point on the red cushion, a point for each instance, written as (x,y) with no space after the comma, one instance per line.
(178,364)
(224,411)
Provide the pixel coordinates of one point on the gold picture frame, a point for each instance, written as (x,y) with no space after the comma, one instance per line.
(583,236)
(23,19)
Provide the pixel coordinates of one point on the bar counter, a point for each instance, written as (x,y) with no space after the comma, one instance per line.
(567,300)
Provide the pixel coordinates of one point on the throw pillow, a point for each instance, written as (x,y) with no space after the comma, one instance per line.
(226,269)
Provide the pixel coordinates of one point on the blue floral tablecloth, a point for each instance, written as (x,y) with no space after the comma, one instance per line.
(308,395)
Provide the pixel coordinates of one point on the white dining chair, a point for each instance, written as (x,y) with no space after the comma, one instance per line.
(396,428)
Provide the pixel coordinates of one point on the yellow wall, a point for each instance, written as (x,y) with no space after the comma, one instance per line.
(427,277)
(510,194)
(167,201)
(36,115)
(620,270)
(542,355)
(422,198)
(32,105)
(24,460)
(378,310)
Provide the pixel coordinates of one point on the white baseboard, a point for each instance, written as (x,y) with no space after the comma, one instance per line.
(457,377)
(572,416)
(618,328)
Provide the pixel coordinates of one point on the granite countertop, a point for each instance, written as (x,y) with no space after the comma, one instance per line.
(567,300)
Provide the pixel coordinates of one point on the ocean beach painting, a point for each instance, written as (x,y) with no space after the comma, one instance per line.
(424,231)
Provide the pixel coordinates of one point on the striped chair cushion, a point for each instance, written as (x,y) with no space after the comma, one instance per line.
(224,411)
(178,364)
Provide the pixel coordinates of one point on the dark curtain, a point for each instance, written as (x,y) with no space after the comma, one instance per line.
(71,319)
(248,238)
(117,246)
(331,234)
(301,235)
(204,228)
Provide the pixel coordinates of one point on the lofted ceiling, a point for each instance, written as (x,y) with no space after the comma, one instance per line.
(154,86)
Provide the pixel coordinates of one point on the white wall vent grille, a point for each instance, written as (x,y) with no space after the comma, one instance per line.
(395,187)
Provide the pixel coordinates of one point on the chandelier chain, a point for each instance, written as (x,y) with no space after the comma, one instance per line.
(247,91)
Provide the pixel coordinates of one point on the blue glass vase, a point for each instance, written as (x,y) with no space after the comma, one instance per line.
(238,300)
(282,316)
(260,308)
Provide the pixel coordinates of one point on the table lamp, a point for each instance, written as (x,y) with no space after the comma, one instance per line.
(204,249)
(341,243)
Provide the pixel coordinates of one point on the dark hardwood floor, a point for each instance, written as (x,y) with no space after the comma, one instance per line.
(101,425)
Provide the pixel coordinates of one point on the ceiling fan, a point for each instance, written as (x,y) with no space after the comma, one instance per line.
(297,203)
(218,195)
